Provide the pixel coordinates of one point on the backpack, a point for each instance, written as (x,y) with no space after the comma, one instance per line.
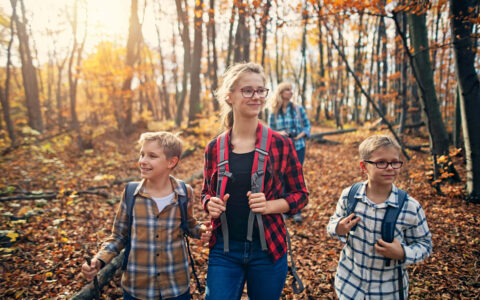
(388,222)
(182,203)
(258,172)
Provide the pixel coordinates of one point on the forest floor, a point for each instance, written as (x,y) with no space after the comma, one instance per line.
(43,242)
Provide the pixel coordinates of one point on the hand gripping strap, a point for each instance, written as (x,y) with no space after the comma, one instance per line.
(223,175)
(258,172)
(390,219)
(352,201)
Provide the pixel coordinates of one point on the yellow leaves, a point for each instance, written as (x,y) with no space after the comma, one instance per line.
(12,235)
(103,177)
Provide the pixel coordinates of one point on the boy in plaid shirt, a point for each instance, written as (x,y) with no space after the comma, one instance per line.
(363,271)
(157,266)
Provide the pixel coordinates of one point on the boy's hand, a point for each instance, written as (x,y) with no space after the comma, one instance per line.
(257,202)
(346,224)
(216,206)
(393,250)
(206,232)
(89,271)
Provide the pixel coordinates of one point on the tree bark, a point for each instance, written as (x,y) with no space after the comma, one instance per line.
(264,22)
(194,104)
(29,75)
(134,37)
(213,60)
(5,97)
(187,57)
(424,77)
(469,88)
(73,78)
(241,51)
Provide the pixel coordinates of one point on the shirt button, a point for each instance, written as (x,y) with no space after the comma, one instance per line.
(158,274)
(156,236)
(158,254)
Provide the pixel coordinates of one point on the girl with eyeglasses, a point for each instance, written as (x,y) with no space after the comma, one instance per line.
(237,255)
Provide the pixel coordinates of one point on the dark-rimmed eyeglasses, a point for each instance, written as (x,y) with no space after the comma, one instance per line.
(384,164)
(248,92)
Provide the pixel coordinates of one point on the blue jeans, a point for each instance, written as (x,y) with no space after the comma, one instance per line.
(301,155)
(186,296)
(228,271)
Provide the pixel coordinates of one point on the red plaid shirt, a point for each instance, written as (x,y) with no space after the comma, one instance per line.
(282,163)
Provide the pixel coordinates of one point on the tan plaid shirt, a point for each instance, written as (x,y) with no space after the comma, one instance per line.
(158,263)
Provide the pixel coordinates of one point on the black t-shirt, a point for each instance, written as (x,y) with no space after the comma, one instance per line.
(238,186)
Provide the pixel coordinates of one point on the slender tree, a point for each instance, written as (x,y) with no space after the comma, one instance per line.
(29,75)
(194,103)
(469,89)
(183,29)
(5,97)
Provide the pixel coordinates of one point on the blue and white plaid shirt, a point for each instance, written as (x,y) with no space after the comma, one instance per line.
(361,272)
(290,122)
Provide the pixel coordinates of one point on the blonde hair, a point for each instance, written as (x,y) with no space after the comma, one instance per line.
(170,143)
(374,142)
(228,84)
(276,101)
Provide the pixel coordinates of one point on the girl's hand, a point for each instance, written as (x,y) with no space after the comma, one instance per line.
(216,206)
(346,224)
(257,202)
(90,271)
(206,232)
(393,250)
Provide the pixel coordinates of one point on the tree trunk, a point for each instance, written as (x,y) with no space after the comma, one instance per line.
(29,75)
(213,62)
(321,69)
(194,104)
(5,97)
(264,22)
(423,69)
(187,57)
(469,88)
(230,35)
(133,41)
(241,51)
(73,78)
(163,91)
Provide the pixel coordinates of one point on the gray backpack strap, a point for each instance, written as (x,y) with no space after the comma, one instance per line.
(223,175)
(260,161)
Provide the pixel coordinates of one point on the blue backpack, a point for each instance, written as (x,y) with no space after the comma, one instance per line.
(388,222)
(182,203)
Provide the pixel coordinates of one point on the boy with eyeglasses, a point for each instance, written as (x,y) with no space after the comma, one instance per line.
(367,268)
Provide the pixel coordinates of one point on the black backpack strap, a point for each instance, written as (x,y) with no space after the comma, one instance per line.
(130,202)
(260,160)
(352,201)
(297,284)
(183,205)
(223,175)
(390,219)
(388,232)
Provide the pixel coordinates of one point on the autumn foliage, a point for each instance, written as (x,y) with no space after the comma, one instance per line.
(44,242)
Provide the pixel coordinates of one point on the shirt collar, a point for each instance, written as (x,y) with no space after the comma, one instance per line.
(176,186)
(392,199)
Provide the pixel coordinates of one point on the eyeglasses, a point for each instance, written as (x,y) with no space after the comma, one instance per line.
(249,92)
(384,164)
